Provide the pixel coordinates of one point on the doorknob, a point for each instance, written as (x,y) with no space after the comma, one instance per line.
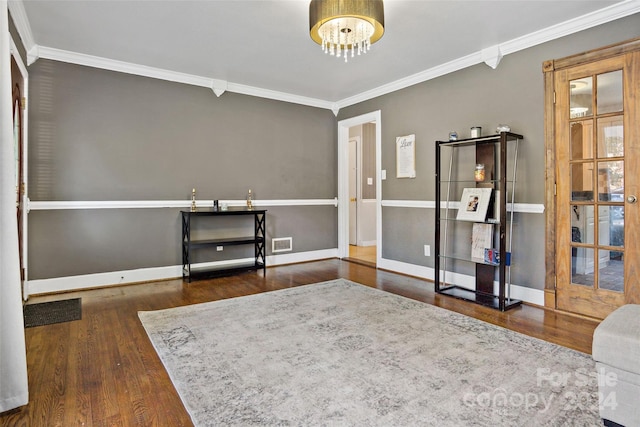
(353,199)
(632,199)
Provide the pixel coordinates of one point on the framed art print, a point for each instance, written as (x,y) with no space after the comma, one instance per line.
(406,156)
(474,204)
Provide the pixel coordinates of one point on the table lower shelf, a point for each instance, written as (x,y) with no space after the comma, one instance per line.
(212,272)
(482,298)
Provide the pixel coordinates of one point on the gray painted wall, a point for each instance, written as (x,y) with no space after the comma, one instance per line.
(476,96)
(102,135)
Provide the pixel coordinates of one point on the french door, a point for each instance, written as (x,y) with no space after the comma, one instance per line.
(597,153)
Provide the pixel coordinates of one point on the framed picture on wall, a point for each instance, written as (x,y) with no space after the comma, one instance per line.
(406,156)
(474,204)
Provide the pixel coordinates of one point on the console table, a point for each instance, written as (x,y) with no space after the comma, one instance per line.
(189,246)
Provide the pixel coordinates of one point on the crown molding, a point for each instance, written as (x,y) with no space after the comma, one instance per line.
(278,96)
(491,56)
(122,67)
(593,19)
(19,16)
(572,26)
(218,86)
(431,73)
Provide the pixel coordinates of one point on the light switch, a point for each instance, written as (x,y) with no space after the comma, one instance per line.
(383,174)
(369,181)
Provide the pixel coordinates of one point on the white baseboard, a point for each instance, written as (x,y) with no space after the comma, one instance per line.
(301,257)
(406,268)
(529,295)
(368,243)
(112,278)
(116,278)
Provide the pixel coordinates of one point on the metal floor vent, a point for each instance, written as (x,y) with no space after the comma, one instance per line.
(281,244)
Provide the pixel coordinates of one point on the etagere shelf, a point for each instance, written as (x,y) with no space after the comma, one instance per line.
(189,246)
(453,260)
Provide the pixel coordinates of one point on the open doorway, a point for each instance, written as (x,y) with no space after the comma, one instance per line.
(359,189)
(362,193)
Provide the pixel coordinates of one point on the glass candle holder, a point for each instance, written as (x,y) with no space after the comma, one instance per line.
(479,172)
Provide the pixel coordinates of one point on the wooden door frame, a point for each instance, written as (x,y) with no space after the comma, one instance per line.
(549,68)
(17,59)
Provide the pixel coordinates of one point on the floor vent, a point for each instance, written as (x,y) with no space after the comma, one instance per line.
(281,244)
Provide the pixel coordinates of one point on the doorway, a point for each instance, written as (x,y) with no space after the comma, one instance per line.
(597,173)
(362,194)
(359,188)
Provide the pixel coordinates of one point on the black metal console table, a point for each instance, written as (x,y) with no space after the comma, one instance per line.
(189,245)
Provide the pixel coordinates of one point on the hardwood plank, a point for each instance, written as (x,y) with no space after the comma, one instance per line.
(103,371)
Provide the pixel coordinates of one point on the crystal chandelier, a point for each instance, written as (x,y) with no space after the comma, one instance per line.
(346,27)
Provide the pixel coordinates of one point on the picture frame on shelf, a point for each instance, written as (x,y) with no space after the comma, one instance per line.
(474,204)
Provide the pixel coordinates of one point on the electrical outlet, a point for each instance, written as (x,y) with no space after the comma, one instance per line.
(427,250)
(219,248)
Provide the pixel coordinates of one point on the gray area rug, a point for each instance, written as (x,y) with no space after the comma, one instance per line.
(340,353)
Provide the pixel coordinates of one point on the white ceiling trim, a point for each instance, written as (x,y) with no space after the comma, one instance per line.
(19,16)
(602,16)
(584,22)
(218,86)
(432,73)
(611,13)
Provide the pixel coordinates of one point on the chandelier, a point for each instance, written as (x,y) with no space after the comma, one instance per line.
(346,27)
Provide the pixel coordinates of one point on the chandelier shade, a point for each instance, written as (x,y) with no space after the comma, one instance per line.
(346,27)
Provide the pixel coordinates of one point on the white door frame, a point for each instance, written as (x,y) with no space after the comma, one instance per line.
(357,158)
(343,180)
(25,145)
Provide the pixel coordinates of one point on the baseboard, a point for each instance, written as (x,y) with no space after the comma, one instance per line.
(111,278)
(406,268)
(528,295)
(116,278)
(297,257)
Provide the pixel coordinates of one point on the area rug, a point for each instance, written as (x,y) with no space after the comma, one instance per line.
(48,313)
(340,353)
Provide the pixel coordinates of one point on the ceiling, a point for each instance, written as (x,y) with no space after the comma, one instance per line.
(264,46)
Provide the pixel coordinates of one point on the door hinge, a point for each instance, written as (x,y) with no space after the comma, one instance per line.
(24,103)
(554,96)
(22,274)
(555,189)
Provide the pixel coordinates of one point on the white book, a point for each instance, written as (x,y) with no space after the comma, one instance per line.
(481,239)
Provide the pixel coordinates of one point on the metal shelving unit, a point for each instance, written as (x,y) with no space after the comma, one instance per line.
(492,151)
(258,240)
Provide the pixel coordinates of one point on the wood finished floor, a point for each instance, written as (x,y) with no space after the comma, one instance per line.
(103,371)
(363,254)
